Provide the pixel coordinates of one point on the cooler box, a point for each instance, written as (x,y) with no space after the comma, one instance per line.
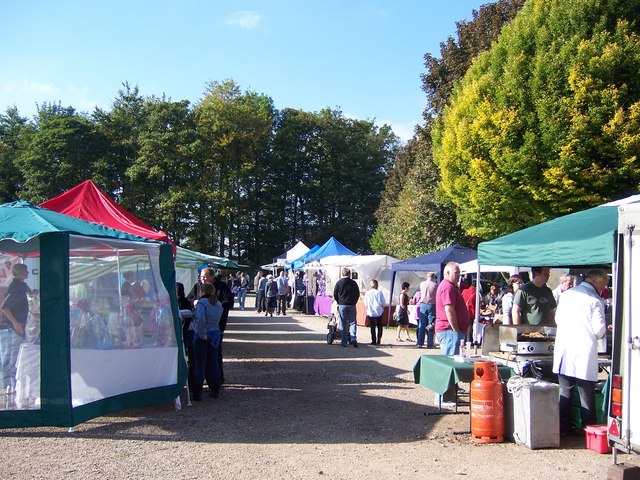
(532,415)
(596,436)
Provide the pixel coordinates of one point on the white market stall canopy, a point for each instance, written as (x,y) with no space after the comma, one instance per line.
(472,267)
(297,251)
(367,268)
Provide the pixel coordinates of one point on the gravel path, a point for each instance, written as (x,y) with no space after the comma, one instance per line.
(293,408)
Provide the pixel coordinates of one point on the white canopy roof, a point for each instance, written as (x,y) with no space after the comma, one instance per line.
(472,267)
(296,251)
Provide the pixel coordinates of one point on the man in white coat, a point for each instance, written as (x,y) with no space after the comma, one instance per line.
(581,322)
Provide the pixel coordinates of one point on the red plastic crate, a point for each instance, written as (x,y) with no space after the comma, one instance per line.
(596,436)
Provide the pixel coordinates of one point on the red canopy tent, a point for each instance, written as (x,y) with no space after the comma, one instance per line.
(87,202)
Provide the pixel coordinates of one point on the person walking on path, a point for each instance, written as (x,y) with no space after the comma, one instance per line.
(403,313)
(242,292)
(271,294)
(282,293)
(374,302)
(261,305)
(225,297)
(346,294)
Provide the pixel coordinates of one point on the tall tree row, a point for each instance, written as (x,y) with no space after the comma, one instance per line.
(230,175)
(532,112)
(412,218)
(547,121)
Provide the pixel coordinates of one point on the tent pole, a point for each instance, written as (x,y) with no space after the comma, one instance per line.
(393,279)
(476,321)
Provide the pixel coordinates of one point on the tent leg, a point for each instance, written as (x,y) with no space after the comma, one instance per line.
(184,355)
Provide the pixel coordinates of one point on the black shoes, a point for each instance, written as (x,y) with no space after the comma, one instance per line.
(355,344)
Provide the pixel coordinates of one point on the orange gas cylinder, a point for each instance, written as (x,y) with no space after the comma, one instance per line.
(487,406)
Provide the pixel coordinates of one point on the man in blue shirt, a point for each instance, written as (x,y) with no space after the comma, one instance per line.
(282,293)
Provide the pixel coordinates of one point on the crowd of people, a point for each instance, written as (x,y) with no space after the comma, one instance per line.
(444,313)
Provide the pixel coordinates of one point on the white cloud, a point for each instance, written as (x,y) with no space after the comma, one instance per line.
(404,131)
(244,19)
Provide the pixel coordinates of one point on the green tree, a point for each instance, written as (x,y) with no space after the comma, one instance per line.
(14,135)
(546,122)
(417,222)
(292,187)
(349,200)
(315,156)
(61,152)
(121,126)
(160,177)
(412,218)
(473,37)
(236,130)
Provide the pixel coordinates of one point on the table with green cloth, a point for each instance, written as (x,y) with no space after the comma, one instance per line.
(440,373)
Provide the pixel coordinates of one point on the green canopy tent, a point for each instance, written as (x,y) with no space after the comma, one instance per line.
(89,349)
(191,259)
(578,239)
(189,262)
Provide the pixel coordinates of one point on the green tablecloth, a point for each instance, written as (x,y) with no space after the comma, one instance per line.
(440,372)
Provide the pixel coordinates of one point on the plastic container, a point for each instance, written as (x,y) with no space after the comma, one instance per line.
(596,436)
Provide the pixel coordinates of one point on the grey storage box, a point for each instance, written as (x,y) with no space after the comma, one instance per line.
(532,413)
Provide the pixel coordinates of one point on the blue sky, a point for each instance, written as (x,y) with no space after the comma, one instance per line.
(364,57)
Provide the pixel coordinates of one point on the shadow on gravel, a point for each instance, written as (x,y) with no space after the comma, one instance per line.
(285,384)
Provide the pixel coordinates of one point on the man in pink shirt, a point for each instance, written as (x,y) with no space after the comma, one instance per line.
(452,316)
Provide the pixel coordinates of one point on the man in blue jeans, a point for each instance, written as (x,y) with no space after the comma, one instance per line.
(452,316)
(346,294)
(427,310)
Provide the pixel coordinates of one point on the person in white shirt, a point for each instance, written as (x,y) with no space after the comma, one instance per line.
(581,322)
(566,282)
(513,284)
(374,302)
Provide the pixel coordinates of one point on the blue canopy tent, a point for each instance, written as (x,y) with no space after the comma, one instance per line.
(330,248)
(435,261)
(300,262)
(432,262)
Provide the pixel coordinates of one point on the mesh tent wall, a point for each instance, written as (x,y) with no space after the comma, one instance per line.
(75,371)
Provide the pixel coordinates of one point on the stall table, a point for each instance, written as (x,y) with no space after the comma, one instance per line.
(322,305)
(441,373)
